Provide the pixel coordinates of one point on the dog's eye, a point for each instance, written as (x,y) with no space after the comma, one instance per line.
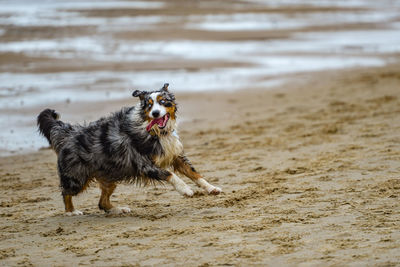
(162,101)
(149,105)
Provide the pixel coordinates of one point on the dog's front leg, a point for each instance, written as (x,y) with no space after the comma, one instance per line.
(153,172)
(183,165)
(180,185)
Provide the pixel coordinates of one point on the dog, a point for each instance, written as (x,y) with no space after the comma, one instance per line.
(138,144)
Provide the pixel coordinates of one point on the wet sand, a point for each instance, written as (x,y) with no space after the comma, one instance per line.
(310,174)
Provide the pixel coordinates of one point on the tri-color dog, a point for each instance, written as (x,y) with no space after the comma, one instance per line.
(137,144)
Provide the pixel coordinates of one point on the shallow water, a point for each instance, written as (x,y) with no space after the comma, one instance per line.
(363,35)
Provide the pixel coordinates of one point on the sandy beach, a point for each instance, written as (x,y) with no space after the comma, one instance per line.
(292,109)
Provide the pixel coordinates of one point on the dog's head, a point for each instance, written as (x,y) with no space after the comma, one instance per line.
(158,109)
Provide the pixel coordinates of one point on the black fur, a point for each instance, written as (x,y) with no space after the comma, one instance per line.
(46,121)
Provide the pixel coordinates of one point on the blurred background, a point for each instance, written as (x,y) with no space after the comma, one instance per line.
(82,55)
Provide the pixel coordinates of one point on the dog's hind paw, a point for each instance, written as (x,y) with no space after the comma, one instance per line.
(119,210)
(214,190)
(74,213)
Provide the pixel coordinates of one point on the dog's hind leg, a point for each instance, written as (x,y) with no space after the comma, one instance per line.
(68,192)
(183,165)
(72,180)
(69,207)
(71,187)
(107,188)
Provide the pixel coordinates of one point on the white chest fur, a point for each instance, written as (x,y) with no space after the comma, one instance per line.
(172,148)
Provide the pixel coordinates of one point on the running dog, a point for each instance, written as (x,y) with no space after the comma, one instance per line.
(138,144)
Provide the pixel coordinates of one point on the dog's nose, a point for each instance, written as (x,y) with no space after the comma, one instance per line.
(155,113)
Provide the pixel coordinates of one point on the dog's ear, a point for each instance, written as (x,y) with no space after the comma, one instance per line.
(165,87)
(139,94)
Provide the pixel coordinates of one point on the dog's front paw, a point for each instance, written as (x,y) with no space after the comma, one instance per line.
(214,190)
(74,213)
(188,192)
(180,186)
(119,210)
(184,190)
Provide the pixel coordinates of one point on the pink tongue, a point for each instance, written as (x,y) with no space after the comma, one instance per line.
(159,121)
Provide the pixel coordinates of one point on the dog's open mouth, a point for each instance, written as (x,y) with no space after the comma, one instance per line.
(161,122)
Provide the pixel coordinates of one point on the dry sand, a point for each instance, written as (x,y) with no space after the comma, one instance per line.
(310,174)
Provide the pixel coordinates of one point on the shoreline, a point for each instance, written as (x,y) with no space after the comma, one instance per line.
(86,111)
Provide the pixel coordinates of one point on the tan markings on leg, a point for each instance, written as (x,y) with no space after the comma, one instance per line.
(184,167)
(69,207)
(107,189)
(180,185)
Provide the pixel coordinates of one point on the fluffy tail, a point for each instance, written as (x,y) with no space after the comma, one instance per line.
(46,120)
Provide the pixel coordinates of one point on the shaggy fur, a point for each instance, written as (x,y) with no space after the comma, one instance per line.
(119,148)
